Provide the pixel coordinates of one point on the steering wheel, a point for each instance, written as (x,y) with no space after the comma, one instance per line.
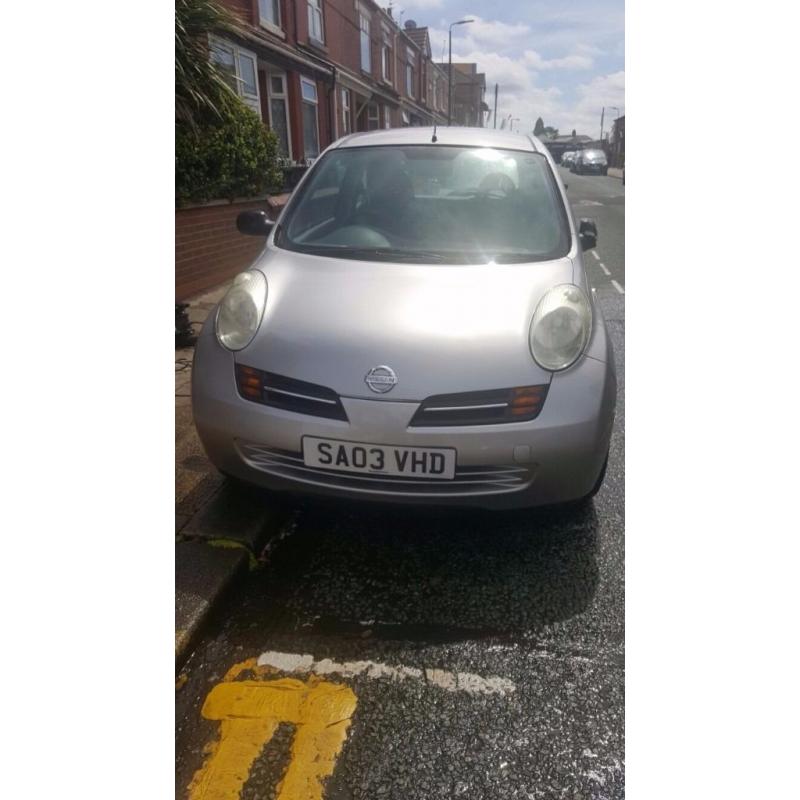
(497,182)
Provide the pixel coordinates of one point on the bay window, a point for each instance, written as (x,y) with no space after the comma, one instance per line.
(238,67)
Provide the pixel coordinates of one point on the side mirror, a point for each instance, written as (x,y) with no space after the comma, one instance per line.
(254,223)
(587,233)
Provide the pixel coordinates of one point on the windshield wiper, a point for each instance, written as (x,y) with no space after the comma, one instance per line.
(376,253)
(472,194)
(396,254)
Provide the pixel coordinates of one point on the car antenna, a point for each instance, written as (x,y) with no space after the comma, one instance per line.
(433,138)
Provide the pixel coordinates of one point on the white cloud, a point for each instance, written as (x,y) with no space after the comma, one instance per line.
(575,61)
(490,33)
(605,89)
(482,34)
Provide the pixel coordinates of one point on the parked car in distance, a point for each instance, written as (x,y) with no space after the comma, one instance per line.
(568,158)
(418,328)
(590,162)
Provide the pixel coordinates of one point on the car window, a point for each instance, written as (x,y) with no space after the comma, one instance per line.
(451,204)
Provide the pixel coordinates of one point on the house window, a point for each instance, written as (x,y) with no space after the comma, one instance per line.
(247,74)
(269,13)
(310,127)
(386,56)
(238,67)
(373,117)
(366,56)
(279,112)
(387,117)
(410,73)
(347,126)
(406,119)
(315,20)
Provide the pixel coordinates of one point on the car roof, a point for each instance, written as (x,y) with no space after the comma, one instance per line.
(465,137)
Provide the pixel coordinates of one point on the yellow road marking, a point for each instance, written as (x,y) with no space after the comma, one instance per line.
(249,712)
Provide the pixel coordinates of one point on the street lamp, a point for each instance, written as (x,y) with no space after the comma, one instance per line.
(450,66)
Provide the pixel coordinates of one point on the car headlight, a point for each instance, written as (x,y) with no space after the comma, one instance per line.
(240,311)
(560,327)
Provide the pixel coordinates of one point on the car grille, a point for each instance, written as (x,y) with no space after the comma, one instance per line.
(289,394)
(491,407)
(467,481)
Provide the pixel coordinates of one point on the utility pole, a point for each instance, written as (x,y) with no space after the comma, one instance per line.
(450,67)
(495,105)
(602,119)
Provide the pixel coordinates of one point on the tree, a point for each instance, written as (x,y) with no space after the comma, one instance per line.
(551,133)
(573,133)
(538,128)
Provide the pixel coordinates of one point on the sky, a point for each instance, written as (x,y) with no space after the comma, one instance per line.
(562,61)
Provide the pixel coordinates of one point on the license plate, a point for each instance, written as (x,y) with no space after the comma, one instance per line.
(380,459)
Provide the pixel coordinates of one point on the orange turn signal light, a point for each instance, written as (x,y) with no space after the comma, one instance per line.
(250,382)
(527,401)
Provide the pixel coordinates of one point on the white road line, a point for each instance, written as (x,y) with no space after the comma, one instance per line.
(594,253)
(604,268)
(618,287)
(449,681)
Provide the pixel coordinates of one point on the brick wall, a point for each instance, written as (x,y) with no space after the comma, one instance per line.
(245,9)
(343,34)
(209,249)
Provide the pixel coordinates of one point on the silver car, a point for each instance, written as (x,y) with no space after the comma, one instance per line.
(418,328)
(591,162)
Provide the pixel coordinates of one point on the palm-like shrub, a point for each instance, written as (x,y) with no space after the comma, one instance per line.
(200,88)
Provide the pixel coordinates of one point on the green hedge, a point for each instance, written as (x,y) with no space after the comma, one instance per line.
(225,157)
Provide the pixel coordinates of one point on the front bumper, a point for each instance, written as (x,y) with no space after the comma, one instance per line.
(554,458)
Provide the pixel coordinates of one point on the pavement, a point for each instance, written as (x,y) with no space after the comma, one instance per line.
(418,654)
(196,481)
(220,528)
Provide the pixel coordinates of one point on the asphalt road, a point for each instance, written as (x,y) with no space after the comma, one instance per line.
(494,642)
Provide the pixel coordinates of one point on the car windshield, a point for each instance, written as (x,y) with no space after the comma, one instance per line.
(428,203)
(594,155)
